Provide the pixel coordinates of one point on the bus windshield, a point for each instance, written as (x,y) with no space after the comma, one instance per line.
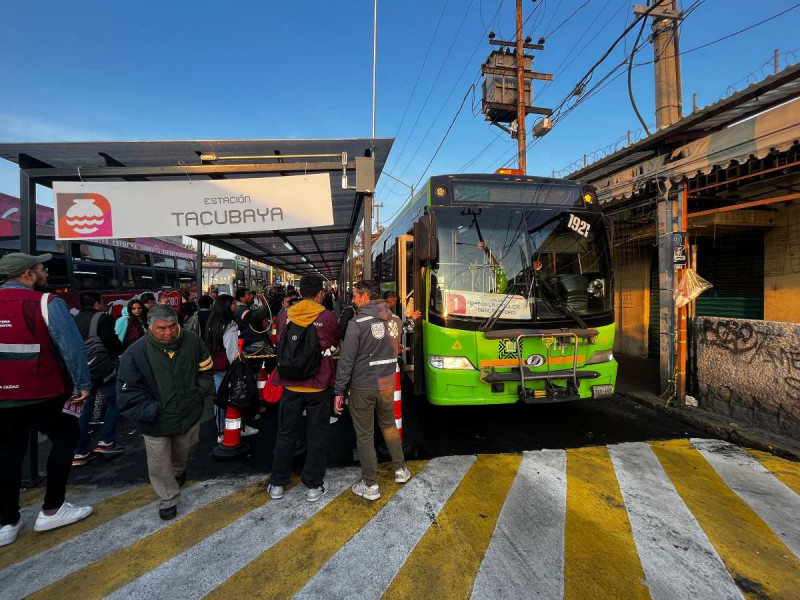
(539,263)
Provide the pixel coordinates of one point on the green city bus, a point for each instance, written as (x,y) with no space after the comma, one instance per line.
(513,277)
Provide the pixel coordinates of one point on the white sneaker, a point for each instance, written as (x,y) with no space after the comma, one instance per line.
(275,491)
(219,439)
(247,430)
(314,494)
(370,492)
(9,533)
(402,475)
(66,515)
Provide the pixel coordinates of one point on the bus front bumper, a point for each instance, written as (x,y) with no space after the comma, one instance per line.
(494,386)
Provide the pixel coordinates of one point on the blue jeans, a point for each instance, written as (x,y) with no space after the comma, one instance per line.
(109,432)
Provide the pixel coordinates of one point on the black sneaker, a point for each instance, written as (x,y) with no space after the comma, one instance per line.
(167,514)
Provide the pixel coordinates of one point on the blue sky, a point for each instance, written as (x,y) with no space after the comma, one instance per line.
(190,70)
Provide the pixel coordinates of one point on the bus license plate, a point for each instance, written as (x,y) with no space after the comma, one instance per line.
(602,391)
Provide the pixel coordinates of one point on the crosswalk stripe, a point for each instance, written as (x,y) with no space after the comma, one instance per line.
(28,576)
(600,558)
(120,568)
(787,471)
(203,567)
(383,544)
(278,574)
(31,543)
(668,538)
(446,560)
(759,562)
(776,504)
(525,558)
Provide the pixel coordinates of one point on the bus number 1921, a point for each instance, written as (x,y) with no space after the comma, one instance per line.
(579,225)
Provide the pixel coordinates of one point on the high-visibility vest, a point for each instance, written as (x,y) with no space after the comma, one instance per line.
(29,366)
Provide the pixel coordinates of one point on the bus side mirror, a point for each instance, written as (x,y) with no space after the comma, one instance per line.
(426,239)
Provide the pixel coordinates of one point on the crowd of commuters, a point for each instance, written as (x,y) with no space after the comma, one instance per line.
(159,368)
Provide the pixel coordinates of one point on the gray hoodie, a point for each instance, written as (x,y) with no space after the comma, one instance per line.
(369,351)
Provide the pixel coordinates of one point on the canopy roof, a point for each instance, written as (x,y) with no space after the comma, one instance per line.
(324,247)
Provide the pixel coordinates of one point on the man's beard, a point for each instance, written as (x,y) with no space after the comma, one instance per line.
(40,284)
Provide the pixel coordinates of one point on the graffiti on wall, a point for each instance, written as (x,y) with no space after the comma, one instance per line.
(753,364)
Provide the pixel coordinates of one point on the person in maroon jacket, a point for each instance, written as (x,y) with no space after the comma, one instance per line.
(313,395)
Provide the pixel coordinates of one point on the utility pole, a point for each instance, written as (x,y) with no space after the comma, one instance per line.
(666,52)
(504,87)
(522,158)
(670,208)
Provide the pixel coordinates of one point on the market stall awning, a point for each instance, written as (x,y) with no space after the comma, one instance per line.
(321,249)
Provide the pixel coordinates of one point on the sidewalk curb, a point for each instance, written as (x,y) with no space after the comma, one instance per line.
(734,432)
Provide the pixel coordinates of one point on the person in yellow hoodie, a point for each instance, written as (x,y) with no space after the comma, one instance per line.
(307,382)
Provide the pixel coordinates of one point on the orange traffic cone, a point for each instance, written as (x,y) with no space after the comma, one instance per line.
(232,445)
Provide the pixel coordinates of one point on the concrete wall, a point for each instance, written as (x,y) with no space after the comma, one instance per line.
(782,266)
(750,371)
(632,303)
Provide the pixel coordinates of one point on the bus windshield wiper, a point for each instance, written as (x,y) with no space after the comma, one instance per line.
(559,302)
(501,308)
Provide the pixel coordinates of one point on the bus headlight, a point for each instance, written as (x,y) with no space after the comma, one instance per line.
(460,363)
(601,356)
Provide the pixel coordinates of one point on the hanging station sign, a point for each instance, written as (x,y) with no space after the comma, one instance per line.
(92,210)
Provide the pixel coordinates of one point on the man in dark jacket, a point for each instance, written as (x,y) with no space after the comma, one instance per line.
(92,309)
(367,365)
(164,380)
(312,395)
(250,319)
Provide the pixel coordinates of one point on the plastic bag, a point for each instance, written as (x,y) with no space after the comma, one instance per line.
(690,287)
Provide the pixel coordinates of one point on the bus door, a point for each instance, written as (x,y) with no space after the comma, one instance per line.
(406,297)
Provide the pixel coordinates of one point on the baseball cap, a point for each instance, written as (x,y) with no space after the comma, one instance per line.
(16,263)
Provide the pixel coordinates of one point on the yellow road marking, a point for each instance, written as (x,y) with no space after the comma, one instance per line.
(447,558)
(31,543)
(116,570)
(35,495)
(787,471)
(286,567)
(600,557)
(759,562)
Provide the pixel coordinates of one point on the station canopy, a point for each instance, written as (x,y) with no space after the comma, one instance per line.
(293,250)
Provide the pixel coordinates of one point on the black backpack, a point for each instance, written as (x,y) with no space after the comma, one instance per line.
(238,387)
(299,352)
(102,366)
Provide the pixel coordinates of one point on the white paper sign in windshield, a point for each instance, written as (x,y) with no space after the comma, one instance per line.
(479,304)
(162,208)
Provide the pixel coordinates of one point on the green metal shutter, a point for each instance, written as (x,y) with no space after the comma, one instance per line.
(735,266)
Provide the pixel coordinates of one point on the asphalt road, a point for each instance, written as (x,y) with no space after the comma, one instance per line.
(430,432)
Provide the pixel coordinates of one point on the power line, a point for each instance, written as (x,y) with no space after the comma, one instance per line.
(446,133)
(575,12)
(422,68)
(730,35)
(430,92)
(434,121)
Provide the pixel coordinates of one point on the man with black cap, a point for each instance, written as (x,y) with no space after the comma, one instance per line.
(44,379)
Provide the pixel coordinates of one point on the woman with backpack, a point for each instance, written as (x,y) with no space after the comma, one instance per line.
(222,340)
(132,325)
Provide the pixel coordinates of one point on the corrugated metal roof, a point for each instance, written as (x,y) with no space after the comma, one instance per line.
(323,247)
(758,97)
